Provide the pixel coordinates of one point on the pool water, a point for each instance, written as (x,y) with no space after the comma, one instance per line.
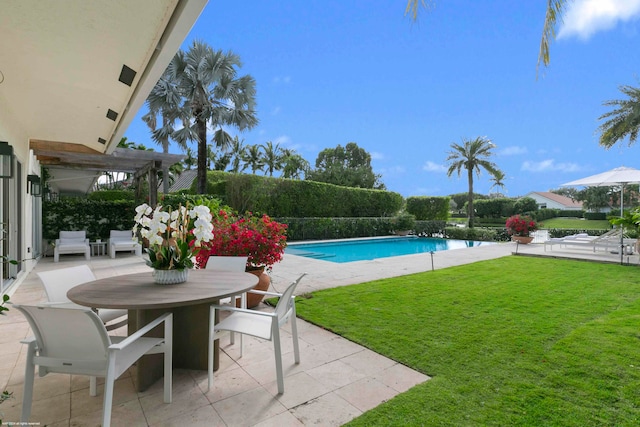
(368,249)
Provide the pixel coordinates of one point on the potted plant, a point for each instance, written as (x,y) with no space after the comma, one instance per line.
(174,236)
(520,227)
(403,223)
(258,237)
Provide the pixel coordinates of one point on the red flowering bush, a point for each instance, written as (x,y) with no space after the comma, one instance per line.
(520,225)
(260,238)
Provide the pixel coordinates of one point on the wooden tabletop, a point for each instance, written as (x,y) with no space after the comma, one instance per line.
(139,291)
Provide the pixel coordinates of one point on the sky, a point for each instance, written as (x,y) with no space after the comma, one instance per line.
(330,72)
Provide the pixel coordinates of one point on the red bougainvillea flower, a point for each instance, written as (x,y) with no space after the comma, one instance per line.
(259,238)
(520,225)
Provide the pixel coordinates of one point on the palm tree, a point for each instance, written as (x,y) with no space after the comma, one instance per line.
(272,157)
(238,153)
(253,158)
(498,180)
(295,166)
(555,10)
(189,161)
(164,100)
(471,156)
(623,121)
(213,94)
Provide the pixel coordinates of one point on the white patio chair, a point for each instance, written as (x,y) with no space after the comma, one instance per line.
(122,240)
(72,242)
(260,324)
(58,282)
(230,263)
(74,341)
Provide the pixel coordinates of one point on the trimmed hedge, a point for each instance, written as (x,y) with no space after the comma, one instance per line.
(280,197)
(97,217)
(477,233)
(112,195)
(595,215)
(428,208)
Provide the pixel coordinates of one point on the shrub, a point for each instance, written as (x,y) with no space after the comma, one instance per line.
(428,208)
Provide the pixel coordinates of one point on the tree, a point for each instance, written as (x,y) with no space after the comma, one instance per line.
(189,161)
(569,192)
(211,93)
(498,180)
(294,165)
(271,157)
(349,166)
(623,121)
(238,153)
(471,156)
(596,198)
(253,158)
(555,10)
(164,100)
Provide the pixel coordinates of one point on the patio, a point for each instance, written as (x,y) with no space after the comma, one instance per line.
(326,388)
(335,382)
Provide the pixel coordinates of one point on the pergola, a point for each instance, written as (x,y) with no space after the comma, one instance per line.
(74,168)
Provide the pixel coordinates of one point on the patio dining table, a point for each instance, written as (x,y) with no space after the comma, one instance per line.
(189,302)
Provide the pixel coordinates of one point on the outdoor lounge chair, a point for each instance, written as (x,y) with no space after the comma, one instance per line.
(122,240)
(72,242)
(606,241)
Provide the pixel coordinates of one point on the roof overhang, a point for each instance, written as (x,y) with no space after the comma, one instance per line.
(78,71)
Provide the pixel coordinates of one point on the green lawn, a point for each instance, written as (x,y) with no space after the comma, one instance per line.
(576,224)
(515,341)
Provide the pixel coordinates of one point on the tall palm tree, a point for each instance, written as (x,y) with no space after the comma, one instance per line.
(212,94)
(498,180)
(471,156)
(295,166)
(272,157)
(238,153)
(189,161)
(254,159)
(623,121)
(163,100)
(555,10)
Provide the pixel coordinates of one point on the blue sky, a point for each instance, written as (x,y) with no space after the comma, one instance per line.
(330,72)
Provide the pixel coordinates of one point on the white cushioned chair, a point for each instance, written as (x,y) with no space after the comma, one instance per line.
(72,242)
(122,240)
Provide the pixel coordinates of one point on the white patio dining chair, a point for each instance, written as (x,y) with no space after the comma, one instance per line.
(230,263)
(75,341)
(260,324)
(58,282)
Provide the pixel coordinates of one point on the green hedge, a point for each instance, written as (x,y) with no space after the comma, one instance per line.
(112,195)
(335,228)
(477,233)
(595,215)
(97,217)
(428,208)
(280,197)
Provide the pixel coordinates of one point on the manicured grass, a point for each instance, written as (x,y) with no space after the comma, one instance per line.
(515,341)
(576,224)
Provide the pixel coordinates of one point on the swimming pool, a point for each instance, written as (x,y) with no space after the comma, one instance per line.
(367,249)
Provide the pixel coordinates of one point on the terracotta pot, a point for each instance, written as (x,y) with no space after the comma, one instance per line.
(523,240)
(264,281)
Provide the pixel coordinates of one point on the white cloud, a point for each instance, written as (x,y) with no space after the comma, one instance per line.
(583,18)
(275,111)
(393,170)
(513,151)
(284,79)
(434,167)
(283,140)
(549,165)
(375,155)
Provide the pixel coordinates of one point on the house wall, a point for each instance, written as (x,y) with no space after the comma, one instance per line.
(16,206)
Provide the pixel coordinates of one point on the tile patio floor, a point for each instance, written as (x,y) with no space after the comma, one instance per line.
(335,382)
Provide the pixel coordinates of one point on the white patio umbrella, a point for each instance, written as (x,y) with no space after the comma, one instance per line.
(618,176)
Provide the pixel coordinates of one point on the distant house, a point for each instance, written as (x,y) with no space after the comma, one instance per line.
(183,181)
(549,200)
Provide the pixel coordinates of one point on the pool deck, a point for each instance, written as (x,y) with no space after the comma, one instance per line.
(335,382)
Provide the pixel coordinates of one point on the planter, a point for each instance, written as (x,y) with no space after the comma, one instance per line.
(403,232)
(523,240)
(264,281)
(170,277)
